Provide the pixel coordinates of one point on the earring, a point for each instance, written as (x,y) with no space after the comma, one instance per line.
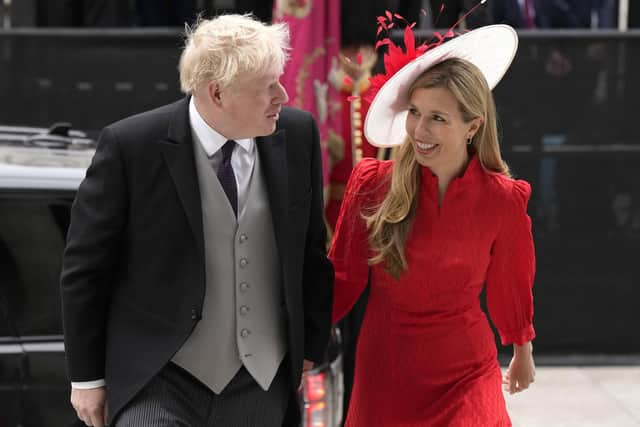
(469,141)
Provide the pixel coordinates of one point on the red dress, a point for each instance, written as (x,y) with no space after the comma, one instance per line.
(426,355)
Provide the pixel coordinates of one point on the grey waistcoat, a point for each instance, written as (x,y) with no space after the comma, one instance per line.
(243,317)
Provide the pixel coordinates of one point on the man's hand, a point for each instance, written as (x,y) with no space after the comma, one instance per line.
(308,364)
(90,405)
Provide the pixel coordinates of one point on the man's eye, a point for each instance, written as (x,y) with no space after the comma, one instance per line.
(438,118)
(413,111)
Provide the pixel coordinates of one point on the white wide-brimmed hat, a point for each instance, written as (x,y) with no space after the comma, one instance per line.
(490,48)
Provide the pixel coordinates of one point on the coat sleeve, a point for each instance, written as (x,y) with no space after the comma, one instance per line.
(318,271)
(511,271)
(98,217)
(349,251)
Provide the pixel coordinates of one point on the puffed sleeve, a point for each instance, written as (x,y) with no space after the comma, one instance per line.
(511,270)
(349,249)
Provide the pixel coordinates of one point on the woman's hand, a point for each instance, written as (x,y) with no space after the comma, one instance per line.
(522,369)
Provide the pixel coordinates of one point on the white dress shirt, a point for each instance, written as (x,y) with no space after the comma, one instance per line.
(242,160)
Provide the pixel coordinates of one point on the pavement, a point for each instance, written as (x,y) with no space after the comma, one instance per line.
(580,396)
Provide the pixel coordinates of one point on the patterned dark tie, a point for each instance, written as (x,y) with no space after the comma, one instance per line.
(227,177)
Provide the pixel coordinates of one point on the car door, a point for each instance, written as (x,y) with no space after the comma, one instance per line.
(33,227)
(11,354)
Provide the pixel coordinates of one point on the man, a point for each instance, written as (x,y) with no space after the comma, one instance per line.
(195,280)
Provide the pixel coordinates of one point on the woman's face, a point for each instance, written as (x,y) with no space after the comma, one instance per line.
(436,129)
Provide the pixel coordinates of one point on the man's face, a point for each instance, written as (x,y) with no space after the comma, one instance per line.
(251,106)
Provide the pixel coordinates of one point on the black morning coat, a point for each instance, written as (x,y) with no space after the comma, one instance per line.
(133,277)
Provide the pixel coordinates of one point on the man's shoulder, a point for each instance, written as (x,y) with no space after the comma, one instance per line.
(150,121)
(294,117)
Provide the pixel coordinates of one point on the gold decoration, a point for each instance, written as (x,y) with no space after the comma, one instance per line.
(303,74)
(297,8)
(335,145)
(358,73)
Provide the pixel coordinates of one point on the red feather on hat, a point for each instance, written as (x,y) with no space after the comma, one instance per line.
(395,58)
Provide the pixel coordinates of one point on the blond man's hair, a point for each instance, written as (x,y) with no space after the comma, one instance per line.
(228,48)
(389,224)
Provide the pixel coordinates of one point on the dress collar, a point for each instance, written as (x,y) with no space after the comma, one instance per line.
(470,174)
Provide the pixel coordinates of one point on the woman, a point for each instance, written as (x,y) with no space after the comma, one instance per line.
(433,227)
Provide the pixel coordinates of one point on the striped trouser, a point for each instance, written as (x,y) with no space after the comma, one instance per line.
(175,398)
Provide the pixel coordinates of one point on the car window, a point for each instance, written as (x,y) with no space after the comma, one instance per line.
(32,236)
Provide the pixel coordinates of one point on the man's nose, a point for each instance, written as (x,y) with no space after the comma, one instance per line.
(282,96)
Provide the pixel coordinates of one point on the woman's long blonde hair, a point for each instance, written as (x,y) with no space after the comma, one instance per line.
(390,223)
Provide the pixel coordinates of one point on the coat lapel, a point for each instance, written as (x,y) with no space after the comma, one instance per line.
(177,150)
(272,150)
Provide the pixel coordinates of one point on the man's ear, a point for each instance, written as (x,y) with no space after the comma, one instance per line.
(214,93)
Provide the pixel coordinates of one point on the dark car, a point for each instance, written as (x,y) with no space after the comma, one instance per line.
(40,170)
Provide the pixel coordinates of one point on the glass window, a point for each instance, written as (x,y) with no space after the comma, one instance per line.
(32,238)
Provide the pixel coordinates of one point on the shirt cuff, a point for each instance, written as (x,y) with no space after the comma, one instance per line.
(86,385)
